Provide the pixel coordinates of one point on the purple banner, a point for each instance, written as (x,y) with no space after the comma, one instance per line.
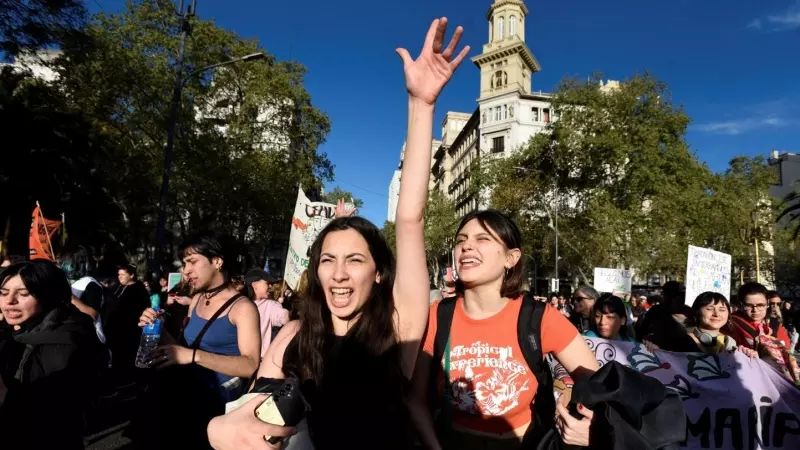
(731,401)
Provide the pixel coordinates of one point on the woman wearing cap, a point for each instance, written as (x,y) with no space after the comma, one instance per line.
(271,312)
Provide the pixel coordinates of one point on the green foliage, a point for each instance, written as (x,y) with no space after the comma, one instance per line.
(33,24)
(338,193)
(247,134)
(616,170)
(440,228)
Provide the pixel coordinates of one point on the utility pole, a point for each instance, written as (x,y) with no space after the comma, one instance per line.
(186,30)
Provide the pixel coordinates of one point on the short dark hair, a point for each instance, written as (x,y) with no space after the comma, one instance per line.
(78,263)
(129,268)
(751,288)
(705,299)
(611,304)
(44,280)
(508,232)
(213,245)
(772,294)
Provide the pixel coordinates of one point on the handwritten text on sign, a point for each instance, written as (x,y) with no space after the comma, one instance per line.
(731,401)
(707,270)
(612,280)
(308,220)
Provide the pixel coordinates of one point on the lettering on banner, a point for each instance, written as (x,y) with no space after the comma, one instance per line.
(326,212)
(728,429)
(730,401)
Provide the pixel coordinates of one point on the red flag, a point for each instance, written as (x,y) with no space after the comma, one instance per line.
(42,231)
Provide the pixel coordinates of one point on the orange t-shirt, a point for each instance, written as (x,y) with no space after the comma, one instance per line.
(492,386)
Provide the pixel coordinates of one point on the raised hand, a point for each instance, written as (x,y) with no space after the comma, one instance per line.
(433,68)
(342,210)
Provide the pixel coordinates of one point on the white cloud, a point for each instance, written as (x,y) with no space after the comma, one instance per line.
(740,126)
(788,20)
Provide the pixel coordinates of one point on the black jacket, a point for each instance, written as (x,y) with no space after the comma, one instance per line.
(631,411)
(48,374)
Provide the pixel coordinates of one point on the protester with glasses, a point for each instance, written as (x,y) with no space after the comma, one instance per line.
(582,304)
(753,319)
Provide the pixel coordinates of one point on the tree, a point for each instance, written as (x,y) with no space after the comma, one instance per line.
(246,135)
(440,228)
(34,24)
(616,170)
(742,214)
(338,193)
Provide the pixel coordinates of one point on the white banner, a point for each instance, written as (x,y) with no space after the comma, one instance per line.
(616,281)
(707,270)
(308,220)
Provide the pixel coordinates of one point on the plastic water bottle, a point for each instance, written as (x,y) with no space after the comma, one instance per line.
(151,335)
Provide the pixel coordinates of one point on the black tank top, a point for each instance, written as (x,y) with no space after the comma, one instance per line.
(359,403)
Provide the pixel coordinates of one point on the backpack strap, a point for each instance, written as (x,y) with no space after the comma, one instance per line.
(444,319)
(529,328)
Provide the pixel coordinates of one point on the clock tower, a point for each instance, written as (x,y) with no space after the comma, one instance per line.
(506,63)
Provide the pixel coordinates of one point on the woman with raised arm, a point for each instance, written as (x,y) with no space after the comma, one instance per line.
(491,388)
(361,320)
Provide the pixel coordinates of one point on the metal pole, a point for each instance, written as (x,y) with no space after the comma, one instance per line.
(555,223)
(758,262)
(171,121)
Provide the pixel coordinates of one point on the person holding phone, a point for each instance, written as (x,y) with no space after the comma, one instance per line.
(363,316)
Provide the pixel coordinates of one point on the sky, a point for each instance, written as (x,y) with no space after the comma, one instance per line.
(732,64)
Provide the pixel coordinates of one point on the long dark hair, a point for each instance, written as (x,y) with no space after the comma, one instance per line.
(374,332)
(508,232)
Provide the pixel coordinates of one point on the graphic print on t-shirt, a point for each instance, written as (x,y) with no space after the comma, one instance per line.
(488,380)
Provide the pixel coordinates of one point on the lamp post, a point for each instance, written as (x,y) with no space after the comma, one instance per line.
(180,81)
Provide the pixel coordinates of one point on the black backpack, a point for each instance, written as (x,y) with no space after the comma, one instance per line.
(529,337)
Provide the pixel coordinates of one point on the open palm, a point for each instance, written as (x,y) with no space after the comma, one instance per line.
(427,75)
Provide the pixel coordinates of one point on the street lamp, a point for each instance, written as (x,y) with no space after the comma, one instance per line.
(180,81)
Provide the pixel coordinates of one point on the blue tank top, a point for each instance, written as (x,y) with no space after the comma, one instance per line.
(220,338)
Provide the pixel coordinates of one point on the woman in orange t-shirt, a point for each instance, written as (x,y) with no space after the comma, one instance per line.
(492,388)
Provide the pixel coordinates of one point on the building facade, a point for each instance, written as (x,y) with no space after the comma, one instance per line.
(508,110)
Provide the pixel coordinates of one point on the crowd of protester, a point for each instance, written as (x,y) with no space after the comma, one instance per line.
(380,360)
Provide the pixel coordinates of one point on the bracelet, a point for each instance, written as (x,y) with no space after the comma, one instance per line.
(194,354)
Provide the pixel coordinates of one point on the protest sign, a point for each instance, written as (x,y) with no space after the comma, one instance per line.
(308,220)
(616,281)
(707,270)
(173,280)
(731,401)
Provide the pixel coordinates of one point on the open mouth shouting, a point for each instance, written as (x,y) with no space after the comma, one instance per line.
(468,263)
(340,297)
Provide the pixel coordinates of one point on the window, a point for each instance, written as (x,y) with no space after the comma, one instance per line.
(499,79)
(500,28)
(535,114)
(512,25)
(505,112)
(497,145)
(496,113)
(547,115)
